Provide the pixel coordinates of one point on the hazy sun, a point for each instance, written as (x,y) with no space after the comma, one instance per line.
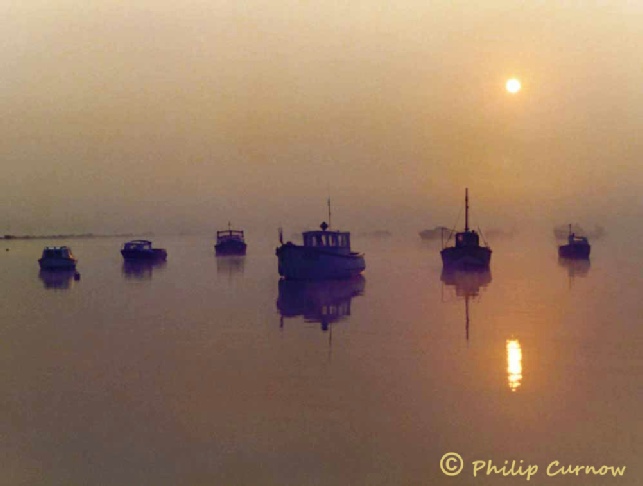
(513,85)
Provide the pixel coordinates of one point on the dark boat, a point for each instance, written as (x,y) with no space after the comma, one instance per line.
(435,233)
(230,242)
(324,255)
(467,252)
(577,247)
(141,250)
(57,258)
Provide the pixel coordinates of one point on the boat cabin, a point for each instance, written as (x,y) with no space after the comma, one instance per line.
(138,245)
(467,239)
(336,241)
(577,240)
(57,252)
(230,235)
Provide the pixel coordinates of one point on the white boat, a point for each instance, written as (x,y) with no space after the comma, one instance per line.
(57,258)
(324,255)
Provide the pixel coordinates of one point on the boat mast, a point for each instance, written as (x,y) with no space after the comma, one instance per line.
(329,215)
(466,209)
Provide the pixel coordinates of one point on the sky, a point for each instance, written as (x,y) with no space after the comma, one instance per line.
(173,116)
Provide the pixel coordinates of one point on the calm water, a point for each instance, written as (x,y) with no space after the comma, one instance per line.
(208,371)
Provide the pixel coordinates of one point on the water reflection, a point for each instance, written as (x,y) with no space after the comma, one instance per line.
(58,279)
(467,284)
(514,364)
(324,302)
(141,270)
(575,267)
(231,264)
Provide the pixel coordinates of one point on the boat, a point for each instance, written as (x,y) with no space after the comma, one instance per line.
(561,232)
(434,234)
(325,254)
(230,242)
(467,252)
(577,247)
(57,258)
(141,250)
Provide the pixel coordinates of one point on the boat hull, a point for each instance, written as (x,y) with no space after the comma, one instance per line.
(305,263)
(153,255)
(579,252)
(466,257)
(57,263)
(230,248)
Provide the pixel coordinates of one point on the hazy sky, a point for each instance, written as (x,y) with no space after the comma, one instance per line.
(122,116)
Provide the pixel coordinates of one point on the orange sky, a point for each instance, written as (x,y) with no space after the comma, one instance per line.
(254,111)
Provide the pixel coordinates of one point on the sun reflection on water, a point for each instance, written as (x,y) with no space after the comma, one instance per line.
(514,364)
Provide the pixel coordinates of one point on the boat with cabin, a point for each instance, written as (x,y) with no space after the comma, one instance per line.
(467,253)
(57,258)
(230,242)
(577,247)
(325,254)
(142,250)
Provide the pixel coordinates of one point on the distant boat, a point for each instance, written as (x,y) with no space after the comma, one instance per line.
(577,247)
(435,233)
(230,242)
(561,232)
(324,255)
(141,250)
(57,258)
(467,252)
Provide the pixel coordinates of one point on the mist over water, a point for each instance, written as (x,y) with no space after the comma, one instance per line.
(149,117)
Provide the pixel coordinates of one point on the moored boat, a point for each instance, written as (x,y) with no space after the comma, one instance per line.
(324,254)
(230,242)
(57,258)
(467,251)
(577,247)
(141,250)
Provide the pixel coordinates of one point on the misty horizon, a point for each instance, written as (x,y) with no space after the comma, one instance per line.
(123,118)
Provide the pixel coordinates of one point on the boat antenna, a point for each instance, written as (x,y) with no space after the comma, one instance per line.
(228,225)
(466,210)
(281,235)
(329,213)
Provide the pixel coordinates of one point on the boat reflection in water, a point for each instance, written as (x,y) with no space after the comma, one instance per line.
(467,284)
(319,301)
(514,364)
(231,265)
(58,279)
(575,267)
(141,269)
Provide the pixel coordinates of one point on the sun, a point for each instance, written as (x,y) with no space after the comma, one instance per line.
(513,85)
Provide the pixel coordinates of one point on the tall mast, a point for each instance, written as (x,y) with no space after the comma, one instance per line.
(329,215)
(466,209)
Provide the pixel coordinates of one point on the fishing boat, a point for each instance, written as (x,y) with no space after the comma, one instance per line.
(230,242)
(325,254)
(577,247)
(57,258)
(467,252)
(141,250)
(433,234)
